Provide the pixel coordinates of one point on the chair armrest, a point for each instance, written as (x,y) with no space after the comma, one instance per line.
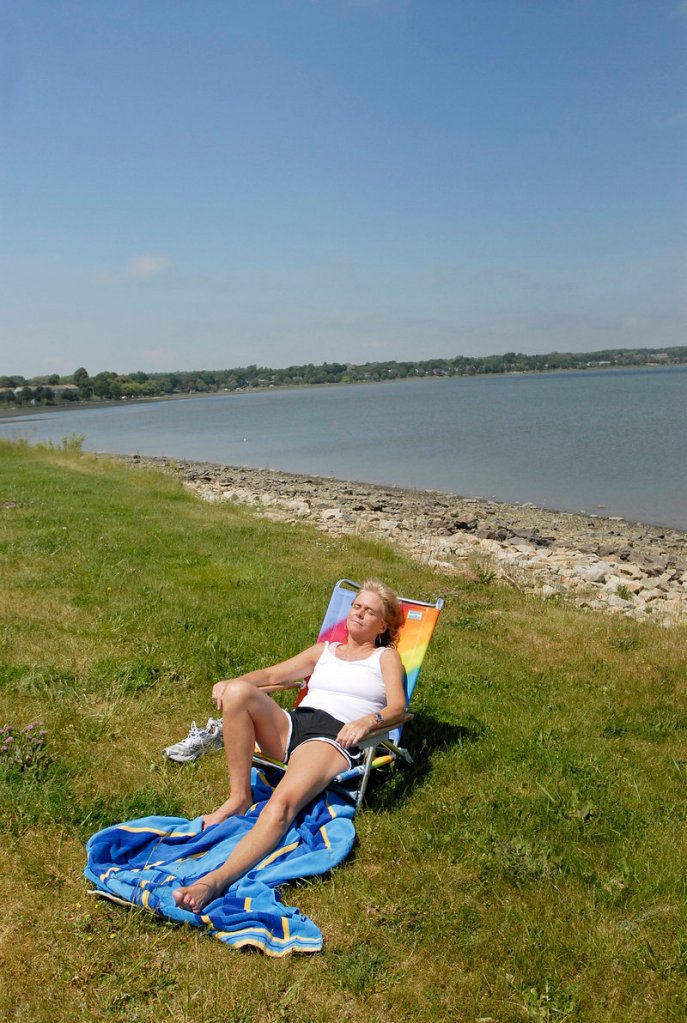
(381,733)
(283,688)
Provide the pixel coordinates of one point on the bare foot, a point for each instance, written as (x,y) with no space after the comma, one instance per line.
(230,808)
(195,897)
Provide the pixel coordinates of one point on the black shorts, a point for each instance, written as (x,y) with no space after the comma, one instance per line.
(310,725)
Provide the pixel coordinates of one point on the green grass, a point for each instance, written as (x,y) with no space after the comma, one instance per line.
(530,865)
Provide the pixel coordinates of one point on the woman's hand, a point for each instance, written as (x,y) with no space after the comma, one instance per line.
(278,676)
(352,732)
(217,693)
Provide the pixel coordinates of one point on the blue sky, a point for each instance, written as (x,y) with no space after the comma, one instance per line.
(192,184)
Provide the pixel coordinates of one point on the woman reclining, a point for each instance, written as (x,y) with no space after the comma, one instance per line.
(355,688)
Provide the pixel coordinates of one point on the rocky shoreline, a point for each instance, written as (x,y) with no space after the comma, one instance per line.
(606,564)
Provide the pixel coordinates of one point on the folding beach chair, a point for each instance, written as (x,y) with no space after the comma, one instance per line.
(383,746)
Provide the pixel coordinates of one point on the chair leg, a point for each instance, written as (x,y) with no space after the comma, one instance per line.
(369,757)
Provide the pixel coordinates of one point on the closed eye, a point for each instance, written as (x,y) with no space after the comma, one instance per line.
(360,608)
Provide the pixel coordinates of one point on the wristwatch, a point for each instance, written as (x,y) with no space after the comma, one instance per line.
(379,720)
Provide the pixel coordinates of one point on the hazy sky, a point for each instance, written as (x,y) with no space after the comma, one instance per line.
(192,184)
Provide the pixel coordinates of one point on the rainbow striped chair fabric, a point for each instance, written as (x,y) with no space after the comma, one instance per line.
(382,747)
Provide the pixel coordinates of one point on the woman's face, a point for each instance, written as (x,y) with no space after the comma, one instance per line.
(366,617)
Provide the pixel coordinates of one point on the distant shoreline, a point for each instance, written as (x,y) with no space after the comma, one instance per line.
(9,414)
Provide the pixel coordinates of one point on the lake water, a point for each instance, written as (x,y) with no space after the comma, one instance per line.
(610,442)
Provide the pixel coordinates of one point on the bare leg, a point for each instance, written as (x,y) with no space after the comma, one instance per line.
(247,714)
(311,767)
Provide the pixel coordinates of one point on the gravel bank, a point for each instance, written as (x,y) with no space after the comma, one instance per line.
(607,564)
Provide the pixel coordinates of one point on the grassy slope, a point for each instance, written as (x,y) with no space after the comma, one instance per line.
(531,865)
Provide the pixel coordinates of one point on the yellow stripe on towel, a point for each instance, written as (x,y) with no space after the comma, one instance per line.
(183,859)
(276,854)
(156,831)
(252,937)
(331,809)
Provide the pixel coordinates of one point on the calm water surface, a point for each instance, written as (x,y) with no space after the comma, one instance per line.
(611,442)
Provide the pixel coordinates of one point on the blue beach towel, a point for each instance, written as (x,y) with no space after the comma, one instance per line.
(142,862)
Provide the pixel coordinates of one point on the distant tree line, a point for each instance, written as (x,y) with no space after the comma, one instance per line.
(109,386)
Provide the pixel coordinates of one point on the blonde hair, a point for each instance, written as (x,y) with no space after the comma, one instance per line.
(392,613)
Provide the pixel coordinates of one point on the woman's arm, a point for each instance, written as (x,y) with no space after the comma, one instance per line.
(392,673)
(277,676)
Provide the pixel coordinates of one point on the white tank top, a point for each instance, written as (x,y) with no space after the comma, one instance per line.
(347,690)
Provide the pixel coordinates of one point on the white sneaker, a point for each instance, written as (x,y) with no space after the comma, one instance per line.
(197,742)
